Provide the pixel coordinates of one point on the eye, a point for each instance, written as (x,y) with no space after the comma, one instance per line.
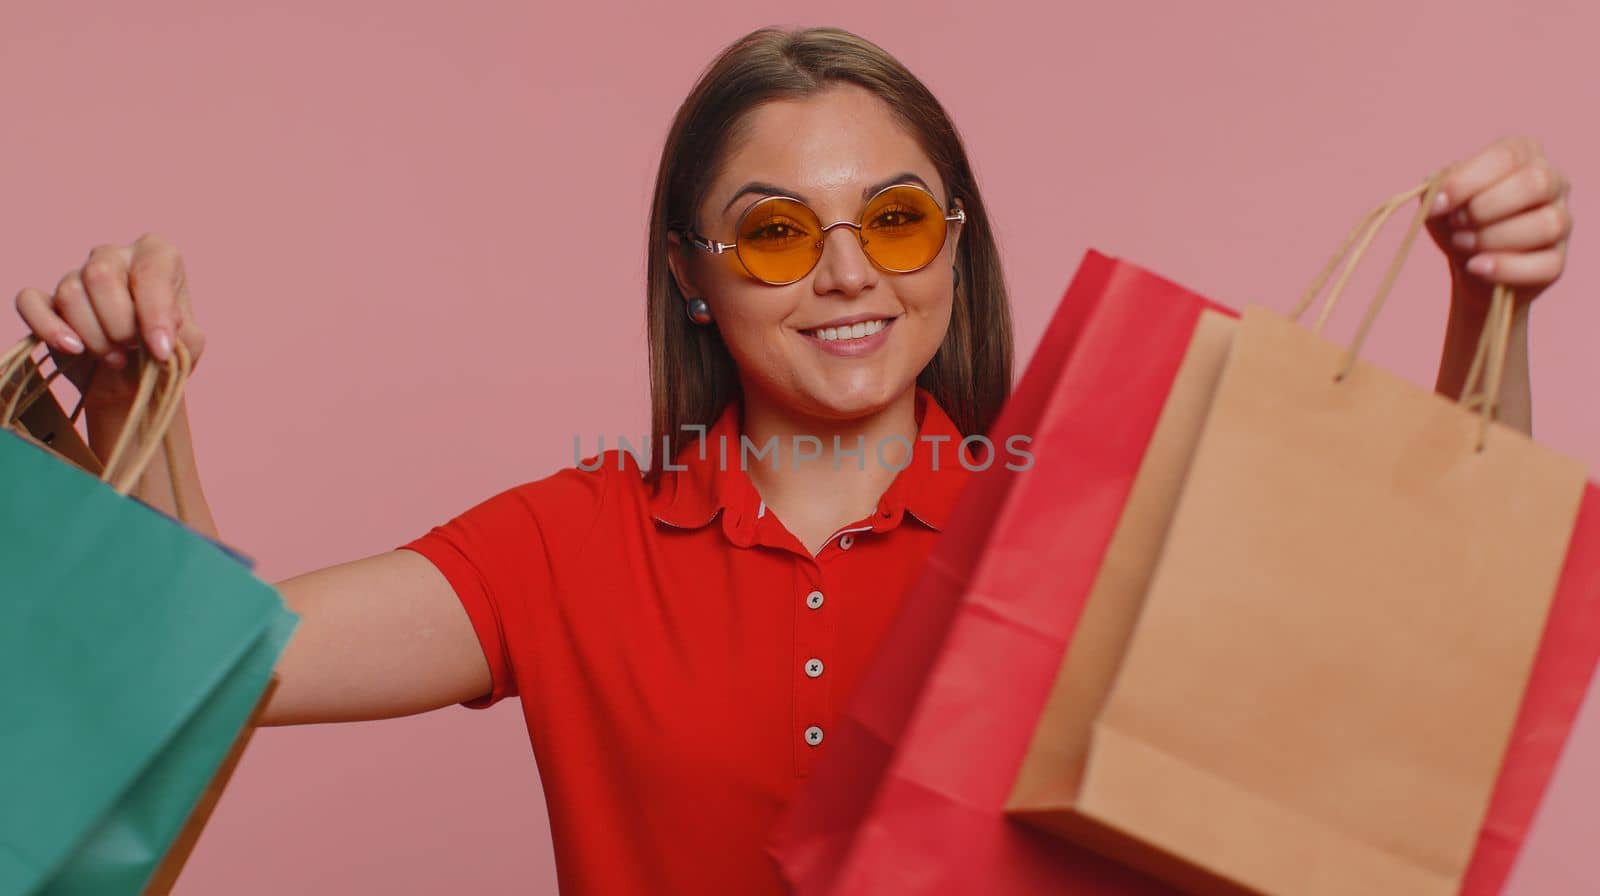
(774,231)
(896,217)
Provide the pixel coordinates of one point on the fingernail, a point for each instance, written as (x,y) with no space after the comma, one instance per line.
(161,341)
(70,342)
(1464,239)
(1482,265)
(1459,219)
(1440,202)
(116,359)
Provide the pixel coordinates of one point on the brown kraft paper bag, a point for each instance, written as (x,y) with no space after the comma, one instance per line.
(1323,678)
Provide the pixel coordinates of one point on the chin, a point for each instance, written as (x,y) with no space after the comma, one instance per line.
(859,398)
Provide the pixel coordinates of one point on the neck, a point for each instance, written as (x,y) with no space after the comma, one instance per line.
(841,465)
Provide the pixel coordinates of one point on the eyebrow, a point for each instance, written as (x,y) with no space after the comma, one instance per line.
(867,193)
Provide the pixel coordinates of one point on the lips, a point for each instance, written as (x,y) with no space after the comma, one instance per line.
(849,331)
(853,326)
(855,340)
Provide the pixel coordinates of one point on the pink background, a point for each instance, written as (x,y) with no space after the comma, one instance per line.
(396,223)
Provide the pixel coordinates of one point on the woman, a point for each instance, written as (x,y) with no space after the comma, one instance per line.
(823,288)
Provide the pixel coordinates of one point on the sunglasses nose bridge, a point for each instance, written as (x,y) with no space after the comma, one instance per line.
(861,242)
(861,238)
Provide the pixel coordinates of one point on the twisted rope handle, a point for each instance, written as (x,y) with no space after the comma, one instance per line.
(11,363)
(1488,364)
(1493,346)
(1351,251)
(155,405)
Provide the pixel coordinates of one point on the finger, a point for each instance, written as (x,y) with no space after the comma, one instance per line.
(1492,165)
(1526,188)
(71,302)
(105,277)
(193,338)
(1540,228)
(1520,268)
(34,306)
(188,332)
(156,276)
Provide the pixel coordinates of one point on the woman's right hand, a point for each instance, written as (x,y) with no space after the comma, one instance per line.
(121,301)
(380,637)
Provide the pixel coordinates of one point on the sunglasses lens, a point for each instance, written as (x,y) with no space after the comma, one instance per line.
(903,229)
(779,240)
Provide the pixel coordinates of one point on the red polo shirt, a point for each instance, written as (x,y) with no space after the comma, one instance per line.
(679,654)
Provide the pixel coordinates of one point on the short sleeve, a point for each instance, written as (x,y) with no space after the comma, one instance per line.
(504,554)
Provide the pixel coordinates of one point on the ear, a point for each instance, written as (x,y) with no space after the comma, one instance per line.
(678,264)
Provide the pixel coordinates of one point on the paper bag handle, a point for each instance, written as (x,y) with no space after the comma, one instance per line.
(14,362)
(1488,364)
(149,417)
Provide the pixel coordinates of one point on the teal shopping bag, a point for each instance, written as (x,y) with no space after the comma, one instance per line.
(133,651)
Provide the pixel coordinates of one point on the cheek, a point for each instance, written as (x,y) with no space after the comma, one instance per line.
(931,307)
(751,320)
(738,309)
(929,312)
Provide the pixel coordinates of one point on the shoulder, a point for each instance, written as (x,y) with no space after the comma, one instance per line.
(566,502)
(612,478)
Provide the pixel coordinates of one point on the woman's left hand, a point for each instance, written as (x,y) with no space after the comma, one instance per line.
(1502,217)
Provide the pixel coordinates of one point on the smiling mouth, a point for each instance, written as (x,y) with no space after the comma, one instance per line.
(850,331)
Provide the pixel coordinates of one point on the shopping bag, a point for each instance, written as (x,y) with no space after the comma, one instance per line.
(988,620)
(1549,755)
(1046,788)
(1327,669)
(821,821)
(135,651)
(1052,771)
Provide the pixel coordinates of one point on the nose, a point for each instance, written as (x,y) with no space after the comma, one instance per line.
(844,268)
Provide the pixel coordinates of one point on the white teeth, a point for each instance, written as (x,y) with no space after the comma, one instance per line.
(853,331)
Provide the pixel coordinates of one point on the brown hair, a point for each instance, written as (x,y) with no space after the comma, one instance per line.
(692,375)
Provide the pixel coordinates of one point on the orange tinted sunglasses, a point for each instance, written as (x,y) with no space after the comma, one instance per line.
(779,238)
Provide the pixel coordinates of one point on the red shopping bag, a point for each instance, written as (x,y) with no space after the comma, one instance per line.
(910,796)
(1561,676)
(1090,400)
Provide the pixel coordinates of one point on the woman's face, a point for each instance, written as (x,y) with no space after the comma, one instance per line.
(830,151)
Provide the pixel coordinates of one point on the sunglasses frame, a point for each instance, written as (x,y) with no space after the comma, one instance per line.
(706,244)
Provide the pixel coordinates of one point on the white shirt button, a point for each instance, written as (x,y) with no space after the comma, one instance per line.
(813,668)
(814,735)
(814,600)
(845,541)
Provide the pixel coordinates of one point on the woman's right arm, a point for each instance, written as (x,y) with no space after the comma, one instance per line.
(379,637)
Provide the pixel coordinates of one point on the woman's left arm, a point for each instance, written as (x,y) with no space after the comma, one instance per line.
(1501,217)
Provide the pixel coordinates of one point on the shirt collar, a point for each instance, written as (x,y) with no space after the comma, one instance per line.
(706,486)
